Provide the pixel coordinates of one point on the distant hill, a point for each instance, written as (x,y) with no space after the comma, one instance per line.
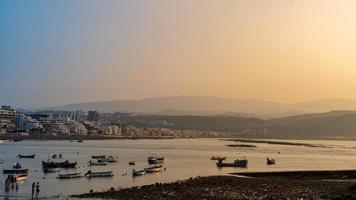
(202,105)
(330,125)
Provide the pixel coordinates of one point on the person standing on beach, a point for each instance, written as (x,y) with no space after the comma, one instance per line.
(37,190)
(33,190)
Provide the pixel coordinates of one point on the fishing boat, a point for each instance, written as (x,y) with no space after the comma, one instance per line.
(69,176)
(218,158)
(98,156)
(132,163)
(15,171)
(51,170)
(91,174)
(26,156)
(236,163)
(271,161)
(109,159)
(155,160)
(65,164)
(152,169)
(21,177)
(92,163)
(17,165)
(137,172)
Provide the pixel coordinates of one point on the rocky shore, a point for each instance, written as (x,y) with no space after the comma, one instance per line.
(233,187)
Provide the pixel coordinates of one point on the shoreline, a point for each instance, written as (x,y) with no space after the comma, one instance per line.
(233,187)
(15,137)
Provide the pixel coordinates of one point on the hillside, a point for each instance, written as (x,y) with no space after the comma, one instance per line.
(201,105)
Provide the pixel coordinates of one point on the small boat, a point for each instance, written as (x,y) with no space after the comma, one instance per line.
(54,156)
(26,156)
(65,164)
(152,169)
(109,159)
(17,140)
(137,172)
(98,156)
(218,158)
(69,176)
(51,170)
(92,163)
(15,171)
(21,177)
(79,140)
(236,163)
(60,156)
(91,174)
(155,160)
(17,165)
(271,161)
(132,163)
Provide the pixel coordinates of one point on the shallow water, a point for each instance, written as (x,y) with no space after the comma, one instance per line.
(184,158)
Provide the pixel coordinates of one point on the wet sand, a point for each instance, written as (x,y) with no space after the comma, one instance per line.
(275,142)
(233,187)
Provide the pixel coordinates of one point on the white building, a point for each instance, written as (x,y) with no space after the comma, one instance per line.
(27,123)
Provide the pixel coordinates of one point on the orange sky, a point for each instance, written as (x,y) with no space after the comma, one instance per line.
(279,50)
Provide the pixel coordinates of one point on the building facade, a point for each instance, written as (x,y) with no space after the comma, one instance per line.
(7,119)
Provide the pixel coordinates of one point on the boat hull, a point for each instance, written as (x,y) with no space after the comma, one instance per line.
(27,156)
(69,176)
(15,171)
(99,174)
(59,165)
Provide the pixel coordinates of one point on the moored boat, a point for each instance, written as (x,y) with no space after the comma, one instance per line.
(236,163)
(132,163)
(65,164)
(17,165)
(155,160)
(51,170)
(152,169)
(108,159)
(98,156)
(26,156)
(271,161)
(91,174)
(15,171)
(218,158)
(137,172)
(69,176)
(21,177)
(92,163)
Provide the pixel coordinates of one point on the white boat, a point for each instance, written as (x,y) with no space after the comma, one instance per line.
(138,172)
(69,176)
(108,159)
(152,169)
(51,170)
(91,174)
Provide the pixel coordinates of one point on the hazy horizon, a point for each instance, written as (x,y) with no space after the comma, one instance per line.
(61,52)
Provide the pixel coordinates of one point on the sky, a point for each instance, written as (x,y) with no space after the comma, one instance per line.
(63,51)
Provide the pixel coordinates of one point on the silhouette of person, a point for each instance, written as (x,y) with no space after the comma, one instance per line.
(33,190)
(37,190)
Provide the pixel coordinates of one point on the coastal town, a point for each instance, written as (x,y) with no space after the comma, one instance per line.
(91,124)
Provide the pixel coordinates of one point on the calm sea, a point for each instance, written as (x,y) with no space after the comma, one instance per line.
(184,158)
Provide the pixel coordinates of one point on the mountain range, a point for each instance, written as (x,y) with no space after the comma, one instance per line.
(205,105)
